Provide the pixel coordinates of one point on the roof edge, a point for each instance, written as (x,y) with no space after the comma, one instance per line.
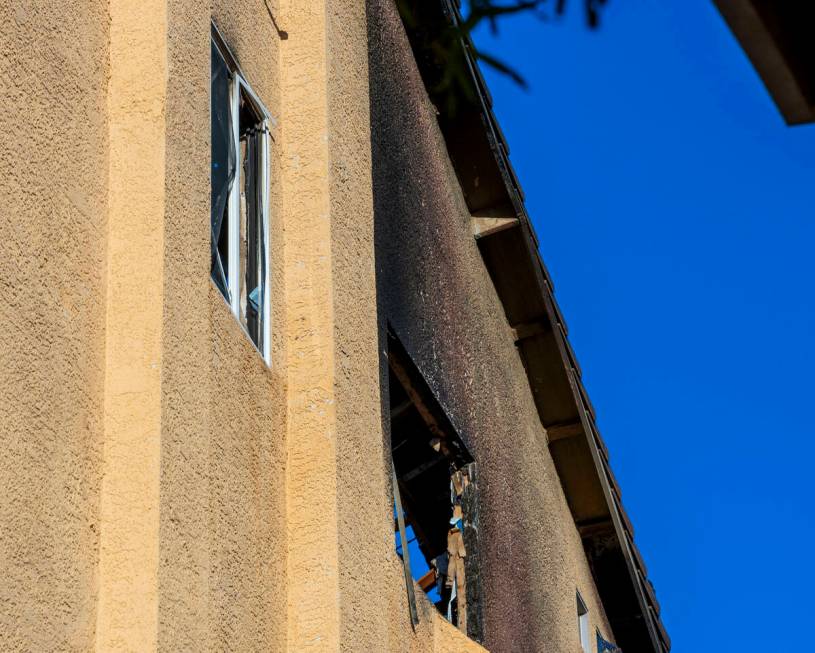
(649,611)
(767,57)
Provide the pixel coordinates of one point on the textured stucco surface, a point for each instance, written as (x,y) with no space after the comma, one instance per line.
(346,589)
(53,192)
(312,608)
(222,527)
(365,520)
(243,507)
(435,291)
(129,502)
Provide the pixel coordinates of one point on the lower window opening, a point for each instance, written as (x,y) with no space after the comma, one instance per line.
(604,646)
(437,487)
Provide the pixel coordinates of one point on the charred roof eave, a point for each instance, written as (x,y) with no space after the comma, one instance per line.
(777,38)
(480,156)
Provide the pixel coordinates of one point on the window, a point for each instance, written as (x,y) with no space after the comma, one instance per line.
(240,196)
(435,499)
(583,623)
(604,646)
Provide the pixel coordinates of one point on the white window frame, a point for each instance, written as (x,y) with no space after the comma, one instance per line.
(238,85)
(583,624)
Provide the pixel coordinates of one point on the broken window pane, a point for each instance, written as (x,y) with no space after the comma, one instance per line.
(435,477)
(240,202)
(243,244)
(222,172)
(583,624)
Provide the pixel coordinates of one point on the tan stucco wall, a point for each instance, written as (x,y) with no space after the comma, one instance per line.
(129,501)
(346,588)
(435,291)
(119,359)
(433,634)
(363,481)
(222,531)
(162,488)
(312,609)
(53,193)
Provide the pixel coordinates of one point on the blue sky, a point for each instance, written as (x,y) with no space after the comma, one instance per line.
(674,210)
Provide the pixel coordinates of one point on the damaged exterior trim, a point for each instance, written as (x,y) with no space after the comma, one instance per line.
(400,518)
(471,528)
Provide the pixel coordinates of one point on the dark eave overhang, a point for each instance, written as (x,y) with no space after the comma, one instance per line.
(777,36)
(509,247)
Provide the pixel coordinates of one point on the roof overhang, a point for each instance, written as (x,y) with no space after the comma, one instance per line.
(779,39)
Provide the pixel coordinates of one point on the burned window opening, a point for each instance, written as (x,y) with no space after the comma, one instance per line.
(435,478)
(240,196)
(604,646)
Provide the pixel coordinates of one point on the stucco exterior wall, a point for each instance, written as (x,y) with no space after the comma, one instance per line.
(222,529)
(433,634)
(91,387)
(436,293)
(365,517)
(53,193)
(162,488)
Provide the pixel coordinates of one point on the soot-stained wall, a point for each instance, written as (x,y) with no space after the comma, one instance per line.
(436,294)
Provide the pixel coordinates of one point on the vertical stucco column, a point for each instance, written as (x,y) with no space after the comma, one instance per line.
(365,536)
(129,517)
(338,519)
(339,523)
(311,485)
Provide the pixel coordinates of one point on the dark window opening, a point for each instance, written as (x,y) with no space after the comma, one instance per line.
(436,482)
(223,166)
(251,131)
(604,646)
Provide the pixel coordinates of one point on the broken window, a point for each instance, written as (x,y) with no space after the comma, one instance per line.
(583,623)
(604,646)
(435,496)
(240,196)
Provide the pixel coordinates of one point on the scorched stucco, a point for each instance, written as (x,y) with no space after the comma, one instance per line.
(244,507)
(435,292)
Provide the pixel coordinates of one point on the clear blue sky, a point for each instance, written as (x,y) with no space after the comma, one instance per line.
(675,213)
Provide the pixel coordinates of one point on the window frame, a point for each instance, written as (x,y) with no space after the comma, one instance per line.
(239,85)
(583,628)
